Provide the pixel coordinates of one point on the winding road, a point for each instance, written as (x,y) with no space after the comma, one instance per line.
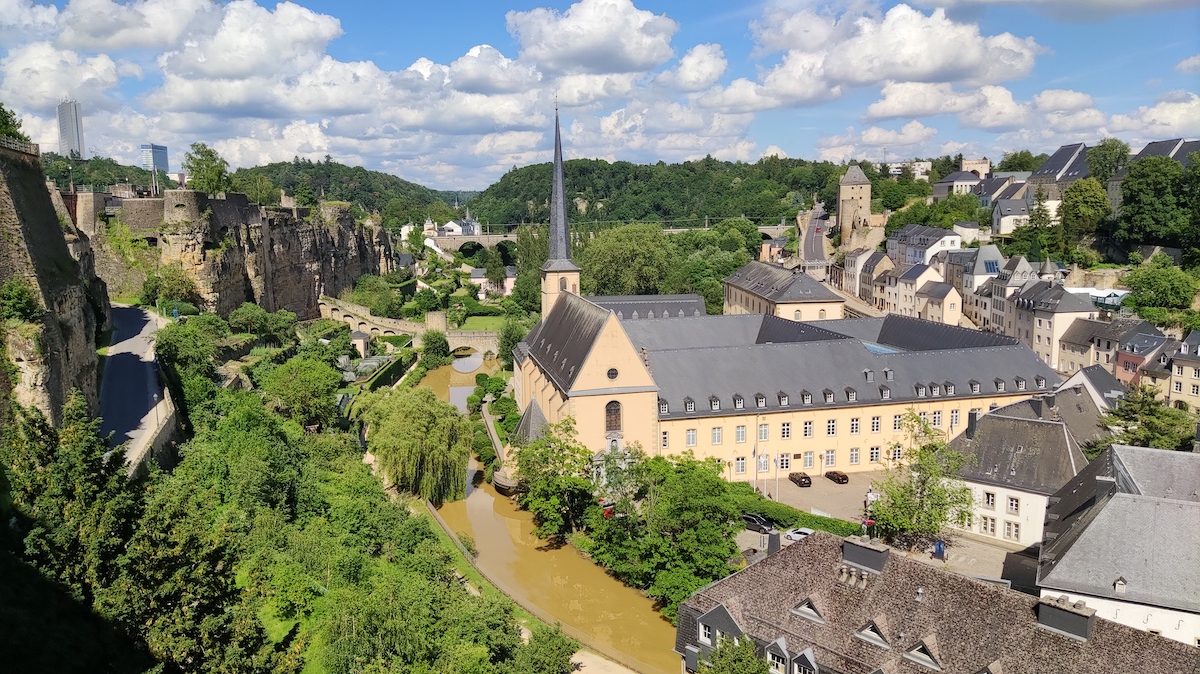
(130,390)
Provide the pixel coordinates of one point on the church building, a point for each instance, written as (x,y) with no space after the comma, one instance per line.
(764,394)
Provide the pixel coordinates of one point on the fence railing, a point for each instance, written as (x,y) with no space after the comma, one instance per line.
(20,146)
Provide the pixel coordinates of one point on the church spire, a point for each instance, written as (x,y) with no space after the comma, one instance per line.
(560,238)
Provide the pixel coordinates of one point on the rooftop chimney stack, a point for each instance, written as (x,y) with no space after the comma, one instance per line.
(972,424)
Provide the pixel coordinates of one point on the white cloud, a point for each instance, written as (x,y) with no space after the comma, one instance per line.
(483,69)
(872,140)
(1175,114)
(1059,100)
(108,25)
(22,20)
(774,151)
(996,111)
(1189,66)
(919,99)
(37,75)
(699,69)
(593,36)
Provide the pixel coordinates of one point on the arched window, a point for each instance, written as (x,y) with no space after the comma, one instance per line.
(797,314)
(612,416)
(562,283)
(822,314)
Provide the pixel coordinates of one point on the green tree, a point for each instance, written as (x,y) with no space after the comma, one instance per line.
(922,494)
(1145,420)
(1084,205)
(427,300)
(894,195)
(421,443)
(1021,160)
(256,186)
(1039,215)
(18,301)
(734,658)
(435,345)
(1159,283)
(1152,211)
(494,269)
(527,292)
(510,335)
(304,194)
(549,652)
(10,125)
(629,260)
(556,471)
(1106,158)
(532,250)
(304,388)
(249,318)
(206,170)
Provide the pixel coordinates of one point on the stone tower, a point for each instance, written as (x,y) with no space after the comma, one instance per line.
(854,200)
(559,274)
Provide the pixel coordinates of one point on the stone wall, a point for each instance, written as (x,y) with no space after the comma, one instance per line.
(143,216)
(57,353)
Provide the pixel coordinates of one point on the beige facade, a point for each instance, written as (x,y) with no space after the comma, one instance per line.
(738,301)
(556,282)
(1043,331)
(940,309)
(901,286)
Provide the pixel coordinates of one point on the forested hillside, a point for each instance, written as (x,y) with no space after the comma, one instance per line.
(98,171)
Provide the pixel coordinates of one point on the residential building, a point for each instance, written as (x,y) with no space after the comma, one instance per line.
(854,201)
(773,250)
(872,268)
(1096,342)
(847,277)
(852,606)
(970,232)
(1020,455)
(1016,276)
(959,182)
(989,189)
(917,244)
(1065,166)
(1124,537)
(1135,350)
(1099,383)
(70,129)
(1008,215)
(1156,368)
(154,157)
(760,288)
(479,278)
(981,168)
(920,169)
(902,284)
(968,270)
(939,302)
(1176,148)
(1184,388)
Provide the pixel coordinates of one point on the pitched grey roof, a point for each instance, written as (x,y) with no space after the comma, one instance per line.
(1049,296)
(723,330)
(561,342)
(868,265)
(960,177)
(854,176)
(913,272)
(1009,207)
(1118,519)
(935,289)
(1160,148)
(1083,330)
(1009,192)
(651,306)
(1021,447)
(532,424)
(1183,155)
(915,334)
(404,259)
(990,186)
(966,224)
(835,365)
(985,255)
(780,285)
(969,626)
(1103,380)
(1059,162)
(910,233)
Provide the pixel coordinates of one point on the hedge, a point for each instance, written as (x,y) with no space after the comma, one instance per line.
(390,373)
(748,501)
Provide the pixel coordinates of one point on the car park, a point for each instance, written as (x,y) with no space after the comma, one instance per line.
(757,523)
(800,479)
(797,534)
(837,476)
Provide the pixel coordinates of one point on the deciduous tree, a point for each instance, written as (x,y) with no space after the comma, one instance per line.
(206,170)
(630,260)
(1084,205)
(1159,283)
(10,125)
(734,658)
(1151,209)
(556,471)
(304,388)
(1106,158)
(1146,420)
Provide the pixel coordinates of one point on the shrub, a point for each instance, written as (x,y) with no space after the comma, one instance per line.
(748,501)
(18,301)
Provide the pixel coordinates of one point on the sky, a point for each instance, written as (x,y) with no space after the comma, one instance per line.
(454,93)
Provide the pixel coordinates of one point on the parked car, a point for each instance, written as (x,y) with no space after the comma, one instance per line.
(837,476)
(797,534)
(800,479)
(757,523)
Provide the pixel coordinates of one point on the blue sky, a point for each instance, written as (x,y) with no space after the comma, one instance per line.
(410,87)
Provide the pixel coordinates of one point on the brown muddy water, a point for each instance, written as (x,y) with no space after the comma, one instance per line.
(562,584)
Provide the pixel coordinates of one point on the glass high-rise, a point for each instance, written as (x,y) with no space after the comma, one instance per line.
(154,157)
(70,129)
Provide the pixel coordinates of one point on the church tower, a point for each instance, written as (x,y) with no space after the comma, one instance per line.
(559,274)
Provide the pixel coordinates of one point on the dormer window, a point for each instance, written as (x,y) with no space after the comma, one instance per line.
(889,374)
(738,402)
(920,390)
(1039,381)
(806,609)
(828,395)
(689,405)
(783,399)
(949,389)
(714,403)
(885,393)
(922,654)
(871,634)
(663,407)
(760,400)
(806,397)
(974,387)
(851,395)
(935,390)
(1020,384)
(1000,385)
(869,375)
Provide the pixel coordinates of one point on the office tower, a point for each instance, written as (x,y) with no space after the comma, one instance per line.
(70,129)
(154,157)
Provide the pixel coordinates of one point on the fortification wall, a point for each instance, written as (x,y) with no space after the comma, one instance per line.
(143,216)
(57,352)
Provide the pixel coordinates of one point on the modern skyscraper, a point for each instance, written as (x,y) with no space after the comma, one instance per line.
(70,129)
(154,157)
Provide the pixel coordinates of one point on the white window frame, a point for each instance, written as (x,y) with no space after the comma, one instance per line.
(875,424)
(808,429)
(665,440)
(854,426)
(785,430)
(830,458)
(854,456)
(953,418)
(690,436)
(764,432)
(689,406)
(873,454)
(663,407)
(705,633)
(830,427)
(897,422)
(739,465)
(718,435)
(764,463)
(785,462)
(937,419)
(740,434)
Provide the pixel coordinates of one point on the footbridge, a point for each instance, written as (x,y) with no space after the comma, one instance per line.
(359,318)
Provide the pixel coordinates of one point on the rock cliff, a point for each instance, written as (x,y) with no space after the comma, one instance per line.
(57,352)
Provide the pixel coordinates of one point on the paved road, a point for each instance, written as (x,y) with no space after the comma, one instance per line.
(129,390)
(814,243)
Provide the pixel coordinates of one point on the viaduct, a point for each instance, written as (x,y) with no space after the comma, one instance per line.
(457,241)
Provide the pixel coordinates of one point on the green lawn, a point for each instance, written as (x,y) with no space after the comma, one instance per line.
(483,323)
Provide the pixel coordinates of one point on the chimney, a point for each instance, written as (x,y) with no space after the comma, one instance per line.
(1051,400)
(772,543)
(1060,615)
(1036,404)
(972,424)
(864,554)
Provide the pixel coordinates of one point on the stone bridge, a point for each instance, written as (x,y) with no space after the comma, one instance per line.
(359,318)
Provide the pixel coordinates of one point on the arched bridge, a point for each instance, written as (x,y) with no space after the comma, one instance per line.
(452,242)
(359,318)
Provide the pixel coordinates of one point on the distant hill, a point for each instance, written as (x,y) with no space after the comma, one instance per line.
(97,171)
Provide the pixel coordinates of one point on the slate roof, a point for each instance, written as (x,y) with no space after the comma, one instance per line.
(481,273)
(780,285)
(1183,156)
(559,235)
(1052,297)
(1104,381)
(984,255)
(910,233)
(1008,207)
(989,187)
(1083,330)
(854,176)
(1059,162)
(1160,148)
(651,306)
(969,626)
(1019,447)
(1012,191)
(404,259)
(872,260)
(960,177)
(835,365)
(1072,406)
(561,341)
(532,424)
(915,334)
(935,289)
(914,272)
(966,224)
(723,330)
(1133,513)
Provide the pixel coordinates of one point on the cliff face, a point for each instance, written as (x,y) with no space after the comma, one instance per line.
(56,353)
(278,258)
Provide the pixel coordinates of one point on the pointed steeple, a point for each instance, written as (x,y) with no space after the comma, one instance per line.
(560,241)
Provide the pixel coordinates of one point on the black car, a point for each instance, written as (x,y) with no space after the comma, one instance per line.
(838,476)
(800,479)
(757,523)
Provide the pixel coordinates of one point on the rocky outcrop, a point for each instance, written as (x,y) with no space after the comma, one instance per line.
(278,258)
(56,352)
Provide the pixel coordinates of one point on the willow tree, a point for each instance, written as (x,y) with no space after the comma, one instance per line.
(421,443)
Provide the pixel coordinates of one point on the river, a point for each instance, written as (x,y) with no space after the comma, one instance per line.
(561,583)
